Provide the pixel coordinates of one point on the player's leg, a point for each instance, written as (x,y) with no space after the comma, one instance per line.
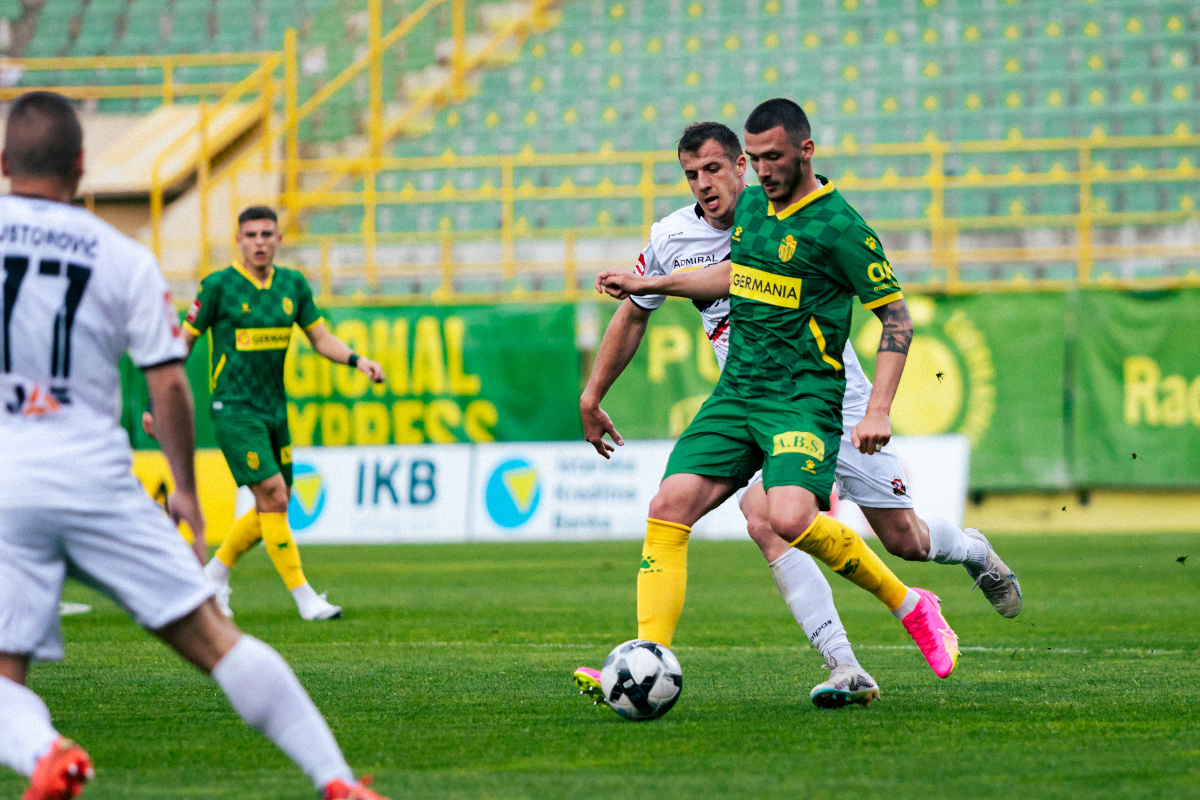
(32,571)
(125,553)
(876,483)
(810,600)
(243,535)
(271,498)
(798,474)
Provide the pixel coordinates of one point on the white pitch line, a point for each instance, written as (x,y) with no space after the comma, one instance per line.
(1065,651)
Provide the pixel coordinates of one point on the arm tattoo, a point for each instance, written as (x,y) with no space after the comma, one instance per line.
(897,328)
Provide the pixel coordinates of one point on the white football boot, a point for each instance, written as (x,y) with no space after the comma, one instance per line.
(996,580)
(847,684)
(314,606)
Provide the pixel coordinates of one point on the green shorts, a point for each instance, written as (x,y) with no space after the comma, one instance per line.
(256,446)
(795,443)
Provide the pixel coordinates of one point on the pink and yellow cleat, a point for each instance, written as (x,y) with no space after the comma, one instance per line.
(929,629)
(61,773)
(588,682)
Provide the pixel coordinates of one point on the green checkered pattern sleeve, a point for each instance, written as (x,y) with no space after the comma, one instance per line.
(204,308)
(859,255)
(307,313)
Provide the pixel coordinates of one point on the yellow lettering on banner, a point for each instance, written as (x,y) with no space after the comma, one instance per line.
(669,344)
(262,338)
(439,414)
(397,370)
(460,383)
(765,287)
(303,423)
(799,442)
(1141,390)
(1194,402)
(352,383)
(480,417)
(335,425)
(370,423)
(429,362)
(217,490)
(405,414)
(706,359)
(1173,406)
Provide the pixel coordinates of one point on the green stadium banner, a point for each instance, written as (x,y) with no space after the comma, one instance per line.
(454,374)
(987,366)
(1136,401)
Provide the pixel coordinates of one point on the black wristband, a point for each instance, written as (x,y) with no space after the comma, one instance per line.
(352,361)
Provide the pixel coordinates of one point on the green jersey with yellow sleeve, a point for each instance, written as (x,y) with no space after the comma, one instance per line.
(795,274)
(249,325)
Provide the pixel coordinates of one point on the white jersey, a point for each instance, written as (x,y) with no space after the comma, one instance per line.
(680,242)
(77,295)
(684,241)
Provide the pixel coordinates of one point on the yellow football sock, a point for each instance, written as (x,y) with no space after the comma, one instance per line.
(845,552)
(243,535)
(282,548)
(662,580)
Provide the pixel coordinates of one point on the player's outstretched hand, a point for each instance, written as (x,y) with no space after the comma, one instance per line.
(371,369)
(185,507)
(148,423)
(596,423)
(870,435)
(619,283)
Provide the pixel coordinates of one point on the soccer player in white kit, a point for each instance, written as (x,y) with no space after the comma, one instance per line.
(697,237)
(78,295)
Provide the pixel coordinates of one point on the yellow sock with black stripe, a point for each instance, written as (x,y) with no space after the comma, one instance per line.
(281,547)
(845,552)
(662,580)
(244,534)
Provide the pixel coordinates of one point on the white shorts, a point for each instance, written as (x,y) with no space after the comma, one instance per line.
(875,481)
(128,550)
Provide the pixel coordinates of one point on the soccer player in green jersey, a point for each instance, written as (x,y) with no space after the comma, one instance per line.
(248,310)
(799,254)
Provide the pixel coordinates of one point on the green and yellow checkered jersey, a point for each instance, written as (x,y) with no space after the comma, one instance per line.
(249,327)
(794,276)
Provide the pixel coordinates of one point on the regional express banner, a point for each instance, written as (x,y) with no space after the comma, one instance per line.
(454,374)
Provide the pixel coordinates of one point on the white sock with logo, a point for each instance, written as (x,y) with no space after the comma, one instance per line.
(810,600)
(949,545)
(25,729)
(265,693)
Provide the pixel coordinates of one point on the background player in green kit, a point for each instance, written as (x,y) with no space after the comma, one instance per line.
(248,310)
(800,254)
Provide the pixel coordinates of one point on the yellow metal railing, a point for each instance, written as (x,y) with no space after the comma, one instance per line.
(164,88)
(512,181)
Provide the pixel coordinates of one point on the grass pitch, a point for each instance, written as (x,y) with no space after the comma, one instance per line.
(450,678)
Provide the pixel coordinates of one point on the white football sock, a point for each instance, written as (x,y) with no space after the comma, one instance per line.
(25,730)
(949,545)
(810,600)
(265,693)
(911,599)
(216,571)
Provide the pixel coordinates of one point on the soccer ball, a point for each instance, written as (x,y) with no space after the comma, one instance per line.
(641,680)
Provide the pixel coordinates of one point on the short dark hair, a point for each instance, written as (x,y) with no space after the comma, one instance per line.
(43,137)
(696,134)
(257,212)
(780,112)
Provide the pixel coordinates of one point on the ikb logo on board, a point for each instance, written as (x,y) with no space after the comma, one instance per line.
(512,493)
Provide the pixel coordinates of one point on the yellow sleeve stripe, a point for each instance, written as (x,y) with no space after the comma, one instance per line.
(883,301)
(192,329)
(820,337)
(314,323)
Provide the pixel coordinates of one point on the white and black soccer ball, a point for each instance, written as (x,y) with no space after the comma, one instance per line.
(641,680)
